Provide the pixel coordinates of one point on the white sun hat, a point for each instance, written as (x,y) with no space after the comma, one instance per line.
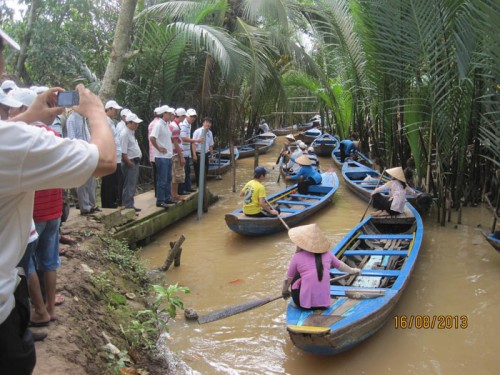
(191,112)
(133,117)
(180,112)
(112,104)
(19,97)
(125,112)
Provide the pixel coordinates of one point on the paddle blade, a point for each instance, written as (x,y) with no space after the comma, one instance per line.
(233,310)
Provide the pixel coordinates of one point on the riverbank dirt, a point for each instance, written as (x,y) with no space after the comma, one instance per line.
(88,320)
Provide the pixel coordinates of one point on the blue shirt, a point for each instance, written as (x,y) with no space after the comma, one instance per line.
(308,171)
(348,147)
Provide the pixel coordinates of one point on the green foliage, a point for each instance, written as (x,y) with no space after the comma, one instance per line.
(146,326)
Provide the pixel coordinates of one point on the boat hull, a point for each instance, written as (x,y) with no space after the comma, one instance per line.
(294,208)
(385,249)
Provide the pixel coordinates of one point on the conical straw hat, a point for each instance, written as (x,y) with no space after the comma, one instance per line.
(397,173)
(290,136)
(309,238)
(303,160)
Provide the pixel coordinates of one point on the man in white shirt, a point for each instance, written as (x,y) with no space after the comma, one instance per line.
(197,147)
(35,159)
(109,184)
(191,115)
(161,139)
(131,159)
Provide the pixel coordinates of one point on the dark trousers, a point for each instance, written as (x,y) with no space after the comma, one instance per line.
(17,348)
(197,167)
(153,164)
(304,185)
(382,202)
(119,184)
(342,152)
(130,178)
(109,189)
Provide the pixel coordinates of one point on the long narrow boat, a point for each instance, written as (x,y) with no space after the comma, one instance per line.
(361,157)
(492,240)
(324,144)
(362,180)
(294,208)
(308,136)
(218,167)
(385,249)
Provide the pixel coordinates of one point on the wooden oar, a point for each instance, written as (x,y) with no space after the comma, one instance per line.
(235,309)
(371,198)
(279,217)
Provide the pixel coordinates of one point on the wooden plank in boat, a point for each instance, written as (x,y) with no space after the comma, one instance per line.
(320,331)
(372,273)
(305,196)
(391,252)
(294,203)
(382,236)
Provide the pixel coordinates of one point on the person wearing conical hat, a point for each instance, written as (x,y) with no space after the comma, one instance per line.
(394,202)
(306,176)
(309,269)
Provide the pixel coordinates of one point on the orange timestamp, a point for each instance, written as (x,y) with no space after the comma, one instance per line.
(431,321)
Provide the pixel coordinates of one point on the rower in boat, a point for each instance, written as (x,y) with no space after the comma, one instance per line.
(309,270)
(306,176)
(394,203)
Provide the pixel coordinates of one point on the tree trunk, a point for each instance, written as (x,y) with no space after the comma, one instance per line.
(23,53)
(119,50)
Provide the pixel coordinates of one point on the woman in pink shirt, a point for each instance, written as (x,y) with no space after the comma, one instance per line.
(309,270)
(394,203)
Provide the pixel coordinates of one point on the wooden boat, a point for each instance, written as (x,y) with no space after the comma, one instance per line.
(294,208)
(225,153)
(324,144)
(362,158)
(385,249)
(492,240)
(362,180)
(309,135)
(266,137)
(218,167)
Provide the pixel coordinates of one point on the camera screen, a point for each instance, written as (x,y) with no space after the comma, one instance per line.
(67,99)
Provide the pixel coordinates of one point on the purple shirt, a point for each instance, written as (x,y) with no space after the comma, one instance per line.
(312,291)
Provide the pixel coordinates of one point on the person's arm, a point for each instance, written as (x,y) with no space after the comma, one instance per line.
(42,109)
(381,188)
(266,207)
(285,290)
(156,145)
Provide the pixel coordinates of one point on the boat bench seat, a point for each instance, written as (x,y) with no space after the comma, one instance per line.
(388,252)
(382,236)
(318,189)
(305,196)
(371,273)
(288,210)
(294,203)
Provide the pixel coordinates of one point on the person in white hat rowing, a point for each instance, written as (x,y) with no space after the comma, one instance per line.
(394,202)
(308,273)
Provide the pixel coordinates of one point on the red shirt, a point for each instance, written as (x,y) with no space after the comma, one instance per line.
(48,203)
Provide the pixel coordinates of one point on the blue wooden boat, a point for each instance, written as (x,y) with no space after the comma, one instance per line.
(362,180)
(324,144)
(294,208)
(218,167)
(309,135)
(360,156)
(385,249)
(492,240)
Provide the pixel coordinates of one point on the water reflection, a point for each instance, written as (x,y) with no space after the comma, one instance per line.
(457,274)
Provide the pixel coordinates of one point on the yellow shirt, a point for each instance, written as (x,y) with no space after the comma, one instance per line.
(252,191)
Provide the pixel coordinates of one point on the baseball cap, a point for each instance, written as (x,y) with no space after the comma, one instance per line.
(170,110)
(259,171)
(9,40)
(125,112)
(163,109)
(191,112)
(8,85)
(180,112)
(112,104)
(133,117)
(19,97)
(155,111)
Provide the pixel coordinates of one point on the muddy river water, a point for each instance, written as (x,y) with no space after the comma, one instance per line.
(457,275)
